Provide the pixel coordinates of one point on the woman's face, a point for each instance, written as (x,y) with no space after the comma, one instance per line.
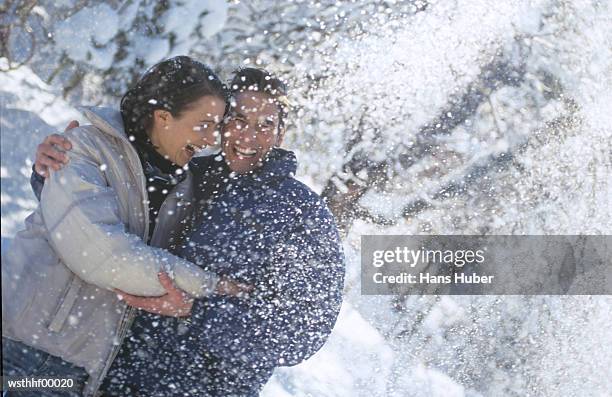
(250,131)
(179,138)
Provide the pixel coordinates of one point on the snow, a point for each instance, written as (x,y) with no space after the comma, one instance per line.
(30,111)
(98,24)
(188,14)
(342,58)
(354,340)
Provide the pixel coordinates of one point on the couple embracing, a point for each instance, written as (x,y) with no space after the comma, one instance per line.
(146,271)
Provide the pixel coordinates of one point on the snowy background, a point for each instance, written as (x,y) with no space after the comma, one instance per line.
(417,116)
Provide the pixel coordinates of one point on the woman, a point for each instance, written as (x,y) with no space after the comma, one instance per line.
(253,221)
(101,225)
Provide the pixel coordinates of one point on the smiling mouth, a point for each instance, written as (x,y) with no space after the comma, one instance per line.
(244,152)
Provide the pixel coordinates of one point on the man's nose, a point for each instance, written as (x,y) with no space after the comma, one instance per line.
(247,133)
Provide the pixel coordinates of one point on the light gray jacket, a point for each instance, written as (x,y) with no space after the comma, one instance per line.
(86,238)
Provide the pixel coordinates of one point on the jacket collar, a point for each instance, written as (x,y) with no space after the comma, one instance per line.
(279,164)
(212,174)
(108,120)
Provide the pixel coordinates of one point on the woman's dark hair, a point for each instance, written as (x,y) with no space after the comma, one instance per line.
(172,85)
(253,79)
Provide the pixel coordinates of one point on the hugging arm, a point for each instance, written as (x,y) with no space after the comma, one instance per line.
(82,216)
(293,310)
(50,154)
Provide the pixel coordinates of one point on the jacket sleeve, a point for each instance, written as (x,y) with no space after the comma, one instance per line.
(295,307)
(82,216)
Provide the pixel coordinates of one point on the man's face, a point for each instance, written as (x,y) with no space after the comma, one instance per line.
(250,131)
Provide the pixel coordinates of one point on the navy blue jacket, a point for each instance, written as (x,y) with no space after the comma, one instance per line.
(270,230)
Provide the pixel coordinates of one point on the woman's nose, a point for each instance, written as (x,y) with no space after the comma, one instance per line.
(207,137)
(211,138)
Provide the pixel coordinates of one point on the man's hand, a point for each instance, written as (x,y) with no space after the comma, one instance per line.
(176,303)
(226,286)
(48,156)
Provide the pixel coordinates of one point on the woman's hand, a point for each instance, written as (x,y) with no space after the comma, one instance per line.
(176,303)
(47,156)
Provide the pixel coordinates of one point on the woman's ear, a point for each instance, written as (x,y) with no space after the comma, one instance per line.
(162,118)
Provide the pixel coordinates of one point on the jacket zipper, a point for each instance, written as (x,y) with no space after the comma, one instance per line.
(161,208)
(177,198)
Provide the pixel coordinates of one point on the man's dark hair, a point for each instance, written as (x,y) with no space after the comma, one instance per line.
(254,79)
(172,85)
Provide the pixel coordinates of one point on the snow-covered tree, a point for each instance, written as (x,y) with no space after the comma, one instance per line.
(95,49)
